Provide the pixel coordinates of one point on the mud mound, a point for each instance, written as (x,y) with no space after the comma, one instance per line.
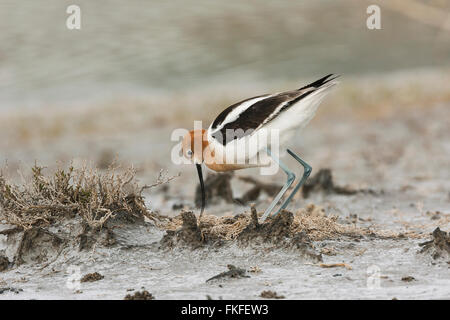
(311,221)
(189,234)
(275,230)
(73,209)
(91,277)
(278,231)
(292,231)
(268,294)
(140,295)
(323,181)
(286,230)
(439,246)
(43,245)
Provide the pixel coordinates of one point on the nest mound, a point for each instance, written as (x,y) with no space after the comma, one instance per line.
(296,231)
(244,229)
(311,221)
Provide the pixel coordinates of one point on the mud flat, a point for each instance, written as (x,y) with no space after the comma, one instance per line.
(306,254)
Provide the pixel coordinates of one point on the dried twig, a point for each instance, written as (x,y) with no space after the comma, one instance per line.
(160,180)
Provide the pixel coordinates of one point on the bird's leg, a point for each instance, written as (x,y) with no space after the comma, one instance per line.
(306,172)
(290,180)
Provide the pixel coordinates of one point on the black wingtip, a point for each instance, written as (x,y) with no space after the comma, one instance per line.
(321,81)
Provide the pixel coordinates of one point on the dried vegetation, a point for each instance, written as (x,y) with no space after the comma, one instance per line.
(85,192)
(68,209)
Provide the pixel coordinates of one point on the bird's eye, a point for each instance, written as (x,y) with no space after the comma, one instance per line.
(189,153)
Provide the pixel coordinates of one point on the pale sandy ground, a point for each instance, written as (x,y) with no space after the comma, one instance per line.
(394,138)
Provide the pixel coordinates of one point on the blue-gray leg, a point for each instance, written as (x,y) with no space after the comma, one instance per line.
(289,181)
(291,177)
(306,172)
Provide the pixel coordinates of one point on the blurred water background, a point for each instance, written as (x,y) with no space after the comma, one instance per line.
(144,48)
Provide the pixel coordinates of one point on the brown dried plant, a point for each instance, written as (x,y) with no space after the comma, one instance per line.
(87,192)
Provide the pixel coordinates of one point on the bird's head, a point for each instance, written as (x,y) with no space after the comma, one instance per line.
(193,146)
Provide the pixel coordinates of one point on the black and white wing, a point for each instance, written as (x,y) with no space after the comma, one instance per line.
(245,117)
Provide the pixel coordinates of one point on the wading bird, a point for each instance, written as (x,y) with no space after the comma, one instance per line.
(237,138)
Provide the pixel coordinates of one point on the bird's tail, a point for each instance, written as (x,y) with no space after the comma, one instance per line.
(310,100)
(328,79)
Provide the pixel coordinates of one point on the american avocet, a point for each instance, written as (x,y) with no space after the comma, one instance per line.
(238,131)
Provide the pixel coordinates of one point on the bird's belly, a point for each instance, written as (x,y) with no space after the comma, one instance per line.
(225,167)
(240,153)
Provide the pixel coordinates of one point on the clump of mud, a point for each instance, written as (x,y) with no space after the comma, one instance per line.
(140,295)
(189,234)
(323,181)
(233,272)
(91,277)
(268,294)
(439,246)
(408,279)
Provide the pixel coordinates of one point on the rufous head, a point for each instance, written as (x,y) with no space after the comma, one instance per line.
(193,145)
